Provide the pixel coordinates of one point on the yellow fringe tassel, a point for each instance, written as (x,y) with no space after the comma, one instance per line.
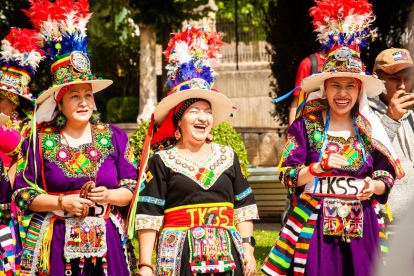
(44,262)
(388,212)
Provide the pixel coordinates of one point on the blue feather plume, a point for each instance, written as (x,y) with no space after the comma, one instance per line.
(188,71)
(69,43)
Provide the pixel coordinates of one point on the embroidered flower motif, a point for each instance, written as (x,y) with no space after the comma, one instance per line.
(289,183)
(317,136)
(312,117)
(292,172)
(92,154)
(49,129)
(358,147)
(100,127)
(104,141)
(63,155)
(332,147)
(389,180)
(49,143)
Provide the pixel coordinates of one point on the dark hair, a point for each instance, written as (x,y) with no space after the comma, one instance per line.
(185,106)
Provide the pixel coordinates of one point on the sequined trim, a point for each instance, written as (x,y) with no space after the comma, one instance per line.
(243,195)
(385,177)
(152,200)
(56,152)
(204,175)
(169,256)
(129,184)
(249,212)
(148,222)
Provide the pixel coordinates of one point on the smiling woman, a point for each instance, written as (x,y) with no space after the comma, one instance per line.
(192,186)
(340,164)
(81,168)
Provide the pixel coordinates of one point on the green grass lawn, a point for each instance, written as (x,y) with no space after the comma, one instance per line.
(264,242)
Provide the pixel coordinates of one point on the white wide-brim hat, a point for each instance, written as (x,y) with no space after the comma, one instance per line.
(221,106)
(3,119)
(372,84)
(97,85)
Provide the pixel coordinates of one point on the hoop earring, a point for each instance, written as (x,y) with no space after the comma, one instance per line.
(61,119)
(14,116)
(96,117)
(177,134)
(210,136)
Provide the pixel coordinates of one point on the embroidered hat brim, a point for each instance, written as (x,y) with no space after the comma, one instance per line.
(97,85)
(372,85)
(26,97)
(3,119)
(221,106)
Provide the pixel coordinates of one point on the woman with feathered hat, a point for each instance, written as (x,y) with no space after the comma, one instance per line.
(19,58)
(338,159)
(77,170)
(10,246)
(192,186)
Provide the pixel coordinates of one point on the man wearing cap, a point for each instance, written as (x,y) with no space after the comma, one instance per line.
(395,67)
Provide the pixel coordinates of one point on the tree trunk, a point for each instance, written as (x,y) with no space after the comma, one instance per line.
(166,31)
(148,77)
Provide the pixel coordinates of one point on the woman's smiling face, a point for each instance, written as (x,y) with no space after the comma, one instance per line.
(342,94)
(77,103)
(196,121)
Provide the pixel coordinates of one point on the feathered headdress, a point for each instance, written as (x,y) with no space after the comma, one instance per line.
(343,23)
(62,25)
(20,56)
(193,53)
(62,30)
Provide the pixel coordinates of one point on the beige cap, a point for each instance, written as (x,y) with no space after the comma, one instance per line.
(393,60)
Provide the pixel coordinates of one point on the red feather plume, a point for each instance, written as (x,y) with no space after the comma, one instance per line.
(213,41)
(24,40)
(43,10)
(327,10)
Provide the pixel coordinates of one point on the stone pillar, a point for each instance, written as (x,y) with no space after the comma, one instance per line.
(148,77)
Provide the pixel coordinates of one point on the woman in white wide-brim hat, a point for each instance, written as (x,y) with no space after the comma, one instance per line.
(192,187)
(81,168)
(19,59)
(338,161)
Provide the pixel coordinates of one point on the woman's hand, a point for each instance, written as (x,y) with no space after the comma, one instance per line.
(336,161)
(99,195)
(73,204)
(251,264)
(145,271)
(368,190)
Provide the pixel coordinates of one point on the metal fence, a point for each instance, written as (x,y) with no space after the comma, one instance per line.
(251,36)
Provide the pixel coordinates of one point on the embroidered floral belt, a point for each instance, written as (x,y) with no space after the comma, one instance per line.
(5,213)
(189,216)
(342,218)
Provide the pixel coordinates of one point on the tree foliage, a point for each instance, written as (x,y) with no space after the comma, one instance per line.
(114,48)
(291,38)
